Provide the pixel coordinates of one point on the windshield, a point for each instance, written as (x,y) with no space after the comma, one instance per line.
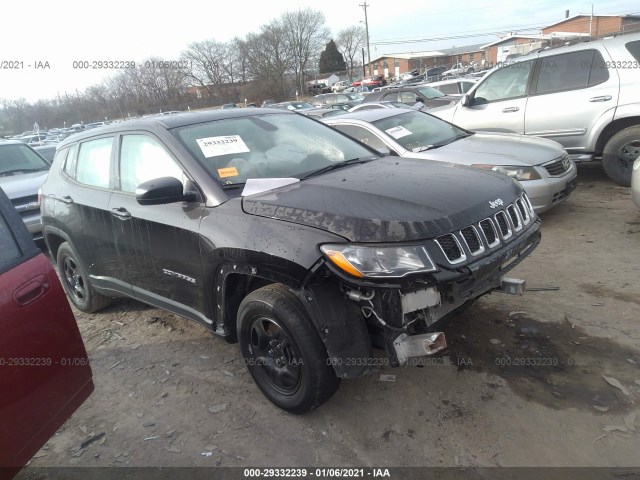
(416,131)
(283,145)
(20,159)
(430,92)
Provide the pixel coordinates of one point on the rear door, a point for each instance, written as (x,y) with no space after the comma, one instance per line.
(571,92)
(44,369)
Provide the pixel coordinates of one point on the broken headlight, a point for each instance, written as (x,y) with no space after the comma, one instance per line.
(519,173)
(372,261)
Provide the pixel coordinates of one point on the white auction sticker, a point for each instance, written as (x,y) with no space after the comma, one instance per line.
(225,145)
(398,132)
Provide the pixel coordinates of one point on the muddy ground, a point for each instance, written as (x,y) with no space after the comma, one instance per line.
(521,384)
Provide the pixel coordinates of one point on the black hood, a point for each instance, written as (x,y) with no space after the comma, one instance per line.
(388,200)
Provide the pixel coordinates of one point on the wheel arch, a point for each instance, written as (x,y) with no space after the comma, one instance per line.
(53,238)
(612,128)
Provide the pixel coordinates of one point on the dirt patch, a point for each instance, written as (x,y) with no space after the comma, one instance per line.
(555,364)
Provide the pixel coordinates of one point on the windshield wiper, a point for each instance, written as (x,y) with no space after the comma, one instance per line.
(232,185)
(23,170)
(335,166)
(441,144)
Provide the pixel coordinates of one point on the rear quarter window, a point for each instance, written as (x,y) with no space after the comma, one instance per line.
(9,251)
(634,49)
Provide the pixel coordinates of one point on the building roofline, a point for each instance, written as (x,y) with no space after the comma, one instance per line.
(573,17)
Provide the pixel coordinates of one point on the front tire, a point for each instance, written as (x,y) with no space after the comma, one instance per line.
(76,281)
(283,350)
(619,154)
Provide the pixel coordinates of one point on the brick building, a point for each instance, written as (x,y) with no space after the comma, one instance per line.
(594,26)
(511,46)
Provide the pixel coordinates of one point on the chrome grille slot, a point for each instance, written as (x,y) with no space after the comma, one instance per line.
(515,218)
(524,211)
(472,239)
(451,248)
(490,233)
(525,197)
(503,224)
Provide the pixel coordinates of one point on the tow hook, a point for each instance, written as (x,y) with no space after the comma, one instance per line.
(512,286)
(418,345)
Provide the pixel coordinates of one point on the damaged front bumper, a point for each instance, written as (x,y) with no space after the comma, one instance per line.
(402,316)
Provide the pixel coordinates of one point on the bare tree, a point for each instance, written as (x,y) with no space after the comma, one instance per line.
(307,35)
(350,41)
(269,57)
(209,64)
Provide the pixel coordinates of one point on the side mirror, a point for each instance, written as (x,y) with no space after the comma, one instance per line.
(465,101)
(160,191)
(384,150)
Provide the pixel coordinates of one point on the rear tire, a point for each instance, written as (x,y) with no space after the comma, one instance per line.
(76,282)
(619,154)
(283,350)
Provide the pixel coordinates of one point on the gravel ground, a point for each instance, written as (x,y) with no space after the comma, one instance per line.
(521,384)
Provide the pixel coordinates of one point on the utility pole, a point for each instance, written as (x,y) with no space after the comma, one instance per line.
(366,25)
(591,22)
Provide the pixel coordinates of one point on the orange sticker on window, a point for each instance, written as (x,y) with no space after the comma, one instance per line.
(227,172)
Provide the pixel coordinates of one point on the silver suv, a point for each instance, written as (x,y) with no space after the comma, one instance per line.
(585,96)
(22,172)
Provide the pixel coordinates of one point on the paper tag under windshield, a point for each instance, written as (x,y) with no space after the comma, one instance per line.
(398,132)
(225,145)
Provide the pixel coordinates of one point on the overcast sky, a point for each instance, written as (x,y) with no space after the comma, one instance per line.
(63,32)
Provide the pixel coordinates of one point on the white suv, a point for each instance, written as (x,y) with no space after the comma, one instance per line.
(585,96)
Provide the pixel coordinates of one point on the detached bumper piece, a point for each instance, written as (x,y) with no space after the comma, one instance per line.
(407,347)
(512,286)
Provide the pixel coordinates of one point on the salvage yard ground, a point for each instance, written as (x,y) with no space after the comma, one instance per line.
(521,384)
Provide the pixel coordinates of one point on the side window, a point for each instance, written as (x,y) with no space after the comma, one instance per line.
(94,162)
(59,157)
(408,97)
(143,158)
(466,86)
(599,71)
(505,83)
(569,71)
(448,89)
(361,134)
(9,251)
(390,97)
(70,163)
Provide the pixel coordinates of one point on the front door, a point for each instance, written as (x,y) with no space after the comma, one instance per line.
(158,245)
(499,102)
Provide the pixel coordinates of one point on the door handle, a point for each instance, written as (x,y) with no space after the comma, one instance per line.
(510,109)
(31,291)
(602,98)
(121,213)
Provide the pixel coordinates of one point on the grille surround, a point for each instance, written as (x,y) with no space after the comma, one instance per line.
(491,232)
(455,260)
(514,217)
(496,237)
(524,210)
(506,232)
(474,237)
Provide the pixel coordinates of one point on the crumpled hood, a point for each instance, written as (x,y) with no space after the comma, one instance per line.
(388,200)
(498,149)
(23,185)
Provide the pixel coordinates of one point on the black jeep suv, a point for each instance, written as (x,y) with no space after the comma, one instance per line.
(276,231)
